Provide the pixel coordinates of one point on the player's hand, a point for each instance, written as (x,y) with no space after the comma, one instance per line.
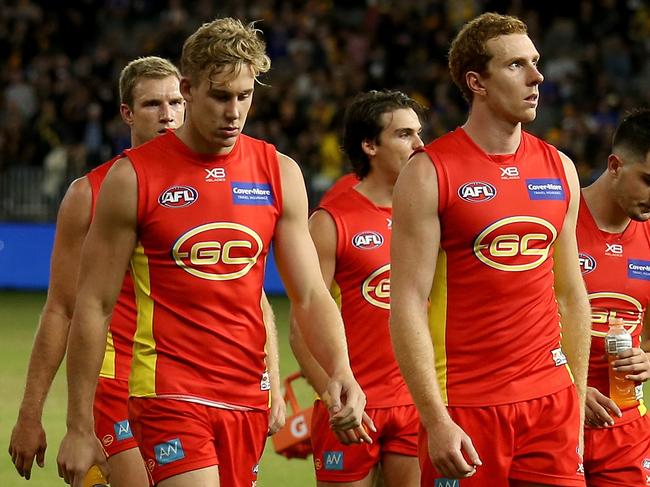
(78,452)
(357,435)
(27,442)
(277,414)
(345,402)
(599,408)
(635,363)
(449,446)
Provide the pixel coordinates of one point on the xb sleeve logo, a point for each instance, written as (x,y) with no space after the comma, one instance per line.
(218,251)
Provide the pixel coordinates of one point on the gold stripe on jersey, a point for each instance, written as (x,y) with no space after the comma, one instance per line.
(335,291)
(108,365)
(142,381)
(438,322)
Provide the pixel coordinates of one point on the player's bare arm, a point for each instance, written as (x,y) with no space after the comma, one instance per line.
(278,412)
(414,251)
(636,362)
(28,439)
(105,256)
(315,310)
(570,291)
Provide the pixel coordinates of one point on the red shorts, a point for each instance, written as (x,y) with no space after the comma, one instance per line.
(178,436)
(533,441)
(397,433)
(619,455)
(111,416)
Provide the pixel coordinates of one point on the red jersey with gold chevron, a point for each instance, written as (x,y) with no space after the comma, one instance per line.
(362,289)
(205,223)
(494,319)
(119,341)
(616,270)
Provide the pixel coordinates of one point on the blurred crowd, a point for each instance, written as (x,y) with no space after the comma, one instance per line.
(60,63)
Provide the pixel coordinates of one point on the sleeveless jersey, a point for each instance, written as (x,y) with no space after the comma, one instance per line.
(340,185)
(205,223)
(616,270)
(119,341)
(361,287)
(494,319)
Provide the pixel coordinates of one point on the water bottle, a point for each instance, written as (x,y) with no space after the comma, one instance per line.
(621,390)
(95,478)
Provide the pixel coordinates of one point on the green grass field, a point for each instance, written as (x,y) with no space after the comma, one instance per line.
(18,318)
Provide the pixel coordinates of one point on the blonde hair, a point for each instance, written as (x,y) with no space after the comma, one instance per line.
(152,67)
(224,44)
(468,51)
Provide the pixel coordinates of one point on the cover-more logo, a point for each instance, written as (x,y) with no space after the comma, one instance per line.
(376,288)
(218,251)
(515,244)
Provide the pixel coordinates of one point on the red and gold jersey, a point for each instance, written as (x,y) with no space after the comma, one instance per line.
(616,270)
(341,185)
(205,223)
(119,341)
(494,319)
(362,289)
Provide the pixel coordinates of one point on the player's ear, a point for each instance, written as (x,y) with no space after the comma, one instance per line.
(369,147)
(475,83)
(186,88)
(127,114)
(614,164)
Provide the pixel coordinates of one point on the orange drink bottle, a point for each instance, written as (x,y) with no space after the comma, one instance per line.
(618,339)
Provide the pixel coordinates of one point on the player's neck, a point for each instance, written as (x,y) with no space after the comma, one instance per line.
(494,136)
(607,214)
(192,138)
(378,189)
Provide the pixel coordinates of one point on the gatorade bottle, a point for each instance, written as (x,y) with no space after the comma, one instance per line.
(95,478)
(617,340)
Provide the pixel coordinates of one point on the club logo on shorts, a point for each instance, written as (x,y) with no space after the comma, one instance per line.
(477,192)
(516,243)
(368,240)
(107,440)
(587,263)
(333,460)
(178,197)
(219,251)
(446,483)
(376,288)
(545,189)
(123,430)
(169,452)
(318,465)
(608,305)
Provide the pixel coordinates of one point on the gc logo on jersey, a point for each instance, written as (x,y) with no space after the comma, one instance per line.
(587,263)
(368,240)
(477,192)
(515,244)
(218,251)
(178,196)
(376,288)
(607,305)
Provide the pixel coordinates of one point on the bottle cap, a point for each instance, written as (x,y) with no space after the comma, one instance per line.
(614,321)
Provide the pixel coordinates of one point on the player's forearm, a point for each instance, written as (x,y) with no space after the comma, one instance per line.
(86,348)
(47,353)
(311,369)
(415,357)
(576,338)
(323,333)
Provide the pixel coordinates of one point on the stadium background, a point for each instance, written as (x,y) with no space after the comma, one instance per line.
(59,63)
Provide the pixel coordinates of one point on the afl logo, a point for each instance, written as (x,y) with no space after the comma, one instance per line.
(587,263)
(178,196)
(368,240)
(218,251)
(515,244)
(609,305)
(376,288)
(477,192)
